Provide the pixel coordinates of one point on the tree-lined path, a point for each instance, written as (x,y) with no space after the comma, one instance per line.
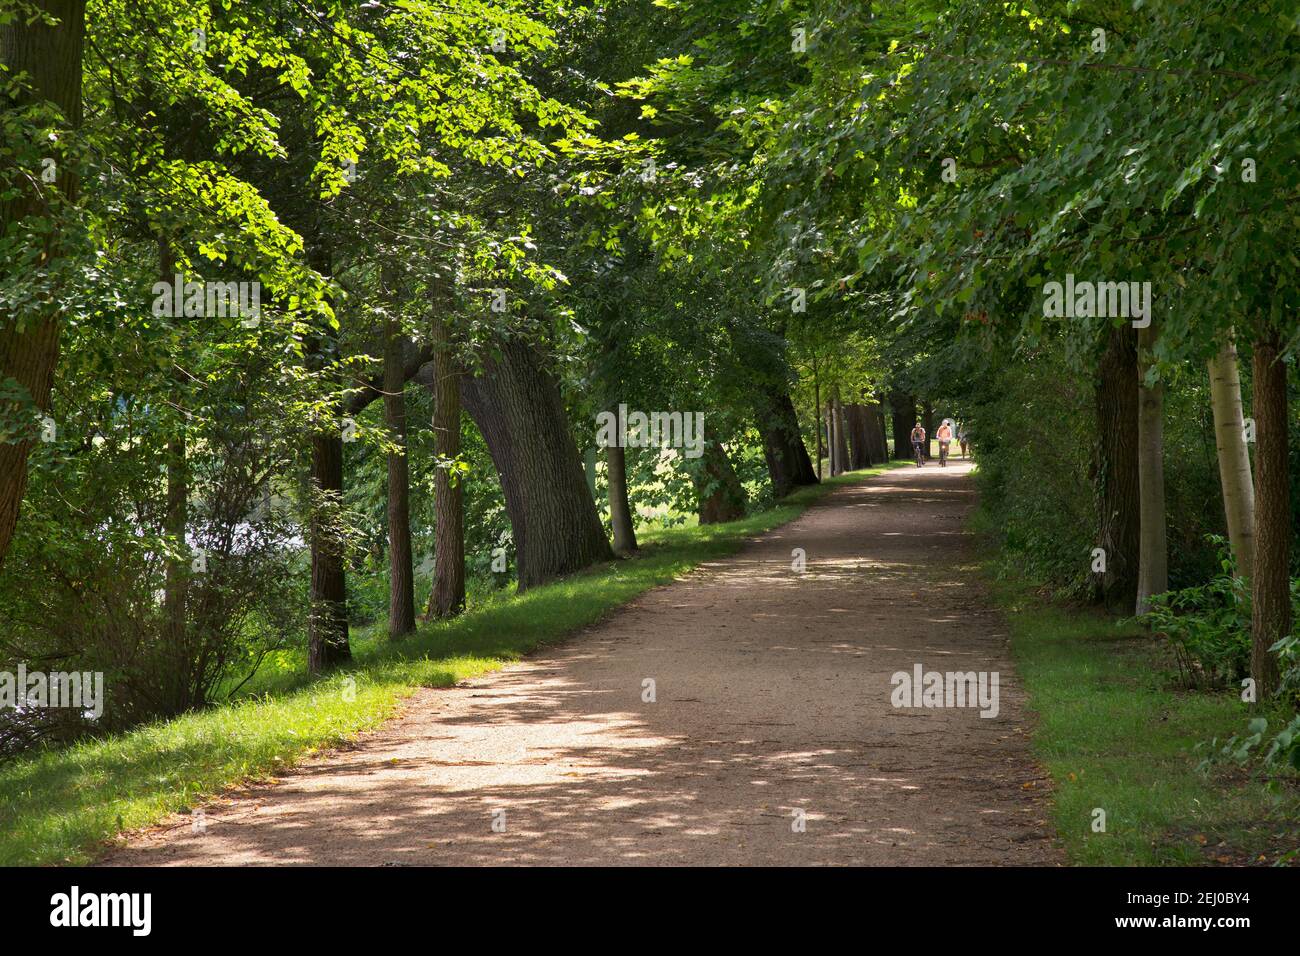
(772,695)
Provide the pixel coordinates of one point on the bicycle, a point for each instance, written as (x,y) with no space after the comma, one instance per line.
(943,454)
(916,450)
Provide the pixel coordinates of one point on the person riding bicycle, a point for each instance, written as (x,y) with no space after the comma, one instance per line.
(918,442)
(944,434)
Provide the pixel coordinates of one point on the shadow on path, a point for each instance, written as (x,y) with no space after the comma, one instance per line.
(772,701)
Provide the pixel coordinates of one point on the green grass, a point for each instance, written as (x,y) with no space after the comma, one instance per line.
(1114,732)
(61,806)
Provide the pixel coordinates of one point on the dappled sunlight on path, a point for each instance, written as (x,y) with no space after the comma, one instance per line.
(772,701)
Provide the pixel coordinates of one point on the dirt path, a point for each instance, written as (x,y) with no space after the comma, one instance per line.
(772,696)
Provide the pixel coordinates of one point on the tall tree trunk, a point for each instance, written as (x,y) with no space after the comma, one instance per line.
(859,436)
(518,408)
(881,432)
(1234,456)
(1153,557)
(1116,469)
(832,438)
(719,493)
(841,437)
(878,439)
(327,631)
(51,57)
(447,598)
(817,416)
(849,424)
(903,417)
(401,577)
(827,426)
(870,435)
(1271,598)
(327,625)
(851,439)
(620,508)
(783,448)
(176,582)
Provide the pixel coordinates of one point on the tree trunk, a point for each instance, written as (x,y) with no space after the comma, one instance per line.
(1234,456)
(401,578)
(174,586)
(927,419)
(826,424)
(817,417)
(881,433)
(832,439)
(51,57)
(859,437)
(871,433)
(327,631)
(1153,558)
(327,625)
(878,439)
(1116,469)
(447,598)
(518,408)
(849,425)
(787,459)
(903,416)
(841,437)
(176,682)
(620,508)
(176,582)
(718,490)
(1271,598)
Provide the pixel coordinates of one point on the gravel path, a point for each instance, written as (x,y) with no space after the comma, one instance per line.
(771,740)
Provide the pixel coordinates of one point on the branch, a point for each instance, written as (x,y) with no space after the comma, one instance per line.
(413,357)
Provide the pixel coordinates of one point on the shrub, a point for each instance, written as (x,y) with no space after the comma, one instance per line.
(1207,627)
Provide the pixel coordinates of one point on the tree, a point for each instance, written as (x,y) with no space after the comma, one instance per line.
(1153,554)
(903,416)
(720,494)
(517,407)
(41,55)
(1271,598)
(447,598)
(620,508)
(787,458)
(401,580)
(1116,468)
(1233,455)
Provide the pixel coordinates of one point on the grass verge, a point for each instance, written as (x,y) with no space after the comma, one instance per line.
(1116,734)
(60,806)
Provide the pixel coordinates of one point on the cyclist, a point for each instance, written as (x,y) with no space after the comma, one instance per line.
(944,434)
(918,442)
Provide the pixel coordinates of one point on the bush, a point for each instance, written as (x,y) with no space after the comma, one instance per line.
(1284,744)
(91,566)
(1207,627)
